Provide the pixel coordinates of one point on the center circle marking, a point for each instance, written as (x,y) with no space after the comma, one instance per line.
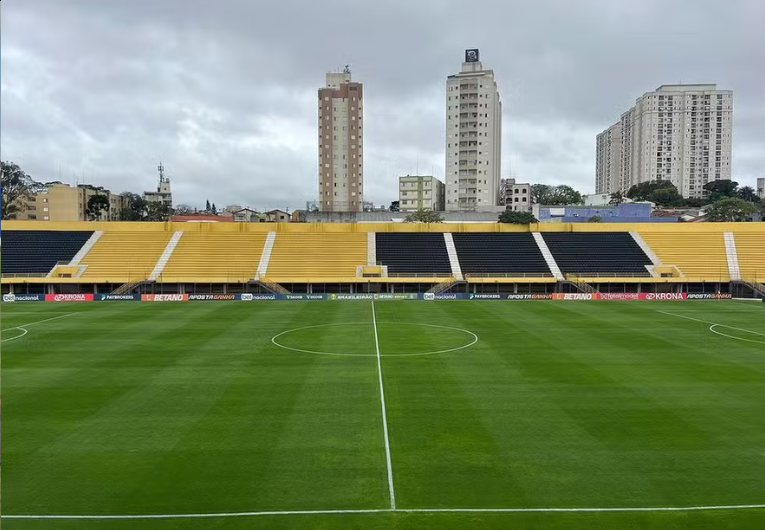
(473,336)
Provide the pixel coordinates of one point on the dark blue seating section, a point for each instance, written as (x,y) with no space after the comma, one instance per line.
(492,253)
(597,253)
(413,253)
(38,251)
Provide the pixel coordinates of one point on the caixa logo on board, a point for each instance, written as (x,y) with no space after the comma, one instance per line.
(663,297)
(69,297)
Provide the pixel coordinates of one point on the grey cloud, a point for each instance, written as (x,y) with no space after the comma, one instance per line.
(224,92)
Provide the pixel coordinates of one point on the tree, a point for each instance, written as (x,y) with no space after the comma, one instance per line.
(721,189)
(517,218)
(214,210)
(184,209)
(644,190)
(747,193)
(616,198)
(555,195)
(595,219)
(730,209)
(97,205)
(207,206)
(540,193)
(135,208)
(158,211)
(16,186)
(424,216)
(394,206)
(563,195)
(666,197)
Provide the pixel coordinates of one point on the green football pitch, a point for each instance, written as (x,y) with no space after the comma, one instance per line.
(276,415)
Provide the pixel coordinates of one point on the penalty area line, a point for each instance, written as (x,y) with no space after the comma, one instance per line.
(399,510)
(24,326)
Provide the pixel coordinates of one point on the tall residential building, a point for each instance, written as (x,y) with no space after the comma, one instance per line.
(761,188)
(680,133)
(473,137)
(340,144)
(420,192)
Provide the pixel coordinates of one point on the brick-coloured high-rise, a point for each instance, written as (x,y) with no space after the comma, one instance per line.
(341,176)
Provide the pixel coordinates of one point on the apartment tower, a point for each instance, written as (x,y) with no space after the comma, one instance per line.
(473,137)
(680,133)
(340,144)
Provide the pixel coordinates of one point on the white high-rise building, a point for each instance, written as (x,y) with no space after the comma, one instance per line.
(340,144)
(761,188)
(680,133)
(473,137)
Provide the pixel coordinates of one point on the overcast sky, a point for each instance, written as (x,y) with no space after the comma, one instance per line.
(223,92)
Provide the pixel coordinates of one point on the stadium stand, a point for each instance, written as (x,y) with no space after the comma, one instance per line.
(228,257)
(751,256)
(514,254)
(597,254)
(323,256)
(125,256)
(38,251)
(410,254)
(700,256)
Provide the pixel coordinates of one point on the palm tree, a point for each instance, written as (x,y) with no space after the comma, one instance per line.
(616,198)
(748,194)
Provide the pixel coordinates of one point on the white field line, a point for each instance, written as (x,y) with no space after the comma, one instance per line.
(400,510)
(713,324)
(23,326)
(384,415)
(713,330)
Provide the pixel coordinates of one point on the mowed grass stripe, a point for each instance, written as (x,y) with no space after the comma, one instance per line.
(562,405)
(182,365)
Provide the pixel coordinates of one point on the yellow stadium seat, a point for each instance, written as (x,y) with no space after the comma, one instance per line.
(214,257)
(699,256)
(119,257)
(316,257)
(750,248)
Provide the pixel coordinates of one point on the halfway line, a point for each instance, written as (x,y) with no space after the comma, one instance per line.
(384,415)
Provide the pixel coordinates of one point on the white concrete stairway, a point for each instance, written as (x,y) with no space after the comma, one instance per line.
(86,248)
(454,261)
(165,257)
(732,255)
(542,244)
(265,257)
(646,248)
(371,249)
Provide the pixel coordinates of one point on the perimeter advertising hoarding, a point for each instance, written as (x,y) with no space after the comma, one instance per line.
(164,298)
(69,297)
(23,297)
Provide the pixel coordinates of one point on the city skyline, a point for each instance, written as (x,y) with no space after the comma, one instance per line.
(226,97)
